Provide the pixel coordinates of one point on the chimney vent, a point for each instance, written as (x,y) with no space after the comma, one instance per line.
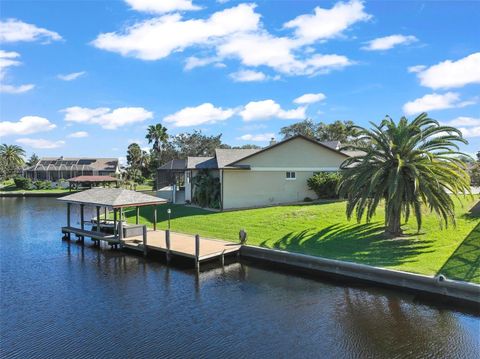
(272,141)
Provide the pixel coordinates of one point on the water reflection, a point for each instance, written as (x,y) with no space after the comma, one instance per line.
(63,299)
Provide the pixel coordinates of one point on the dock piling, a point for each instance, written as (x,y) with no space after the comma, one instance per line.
(144,240)
(167,242)
(197,252)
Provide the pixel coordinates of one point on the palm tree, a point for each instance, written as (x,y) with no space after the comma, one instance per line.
(158,135)
(409,165)
(11,159)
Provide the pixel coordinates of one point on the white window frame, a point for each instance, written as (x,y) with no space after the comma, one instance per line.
(288,175)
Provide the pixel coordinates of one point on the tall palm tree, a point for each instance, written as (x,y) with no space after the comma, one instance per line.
(409,165)
(11,158)
(158,135)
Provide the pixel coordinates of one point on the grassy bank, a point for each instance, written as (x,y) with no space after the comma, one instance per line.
(323,230)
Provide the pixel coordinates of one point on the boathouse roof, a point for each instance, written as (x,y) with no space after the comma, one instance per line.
(112,197)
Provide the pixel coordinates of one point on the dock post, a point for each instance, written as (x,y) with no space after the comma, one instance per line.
(82,220)
(144,240)
(68,218)
(222,258)
(155,218)
(137,214)
(115,222)
(167,242)
(197,252)
(120,228)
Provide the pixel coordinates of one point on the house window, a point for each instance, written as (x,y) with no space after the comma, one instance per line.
(290,175)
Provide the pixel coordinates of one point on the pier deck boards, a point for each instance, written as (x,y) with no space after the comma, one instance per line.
(182,245)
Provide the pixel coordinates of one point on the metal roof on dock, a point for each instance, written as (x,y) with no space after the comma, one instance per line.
(112,197)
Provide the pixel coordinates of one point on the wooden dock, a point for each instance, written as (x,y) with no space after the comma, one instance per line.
(170,243)
(184,245)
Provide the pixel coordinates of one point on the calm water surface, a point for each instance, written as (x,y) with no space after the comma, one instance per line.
(61,300)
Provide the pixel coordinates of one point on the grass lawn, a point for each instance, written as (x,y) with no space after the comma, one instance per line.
(323,230)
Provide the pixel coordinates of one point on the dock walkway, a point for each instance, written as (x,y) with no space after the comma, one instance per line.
(183,245)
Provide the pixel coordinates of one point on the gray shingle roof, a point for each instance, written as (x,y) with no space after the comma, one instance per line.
(112,197)
(227,156)
(201,163)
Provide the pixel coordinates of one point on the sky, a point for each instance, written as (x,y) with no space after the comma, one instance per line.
(86,78)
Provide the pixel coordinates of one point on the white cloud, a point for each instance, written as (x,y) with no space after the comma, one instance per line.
(248,76)
(464,121)
(194,62)
(13,30)
(237,33)
(157,38)
(310,98)
(25,126)
(161,6)
(8,59)
(417,68)
(11,89)
(470,131)
(452,74)
(262,110)
(435,101)
(72,76)
(257,138)
(388,42)
(469,126)
(203,114)
(78,134)
(263,49)
(328,23)
(40,143)
(106,117)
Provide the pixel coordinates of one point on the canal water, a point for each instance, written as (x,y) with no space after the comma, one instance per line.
(61,300)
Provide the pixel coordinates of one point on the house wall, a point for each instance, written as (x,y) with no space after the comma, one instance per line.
(266,183)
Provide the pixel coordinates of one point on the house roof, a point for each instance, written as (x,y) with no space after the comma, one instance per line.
(312,140)
(201,163)
(72,163)
(112,197)
(227,156)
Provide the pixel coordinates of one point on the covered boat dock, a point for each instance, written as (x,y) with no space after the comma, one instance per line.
(118,233)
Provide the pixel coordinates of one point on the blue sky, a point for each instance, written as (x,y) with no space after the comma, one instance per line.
(85,78)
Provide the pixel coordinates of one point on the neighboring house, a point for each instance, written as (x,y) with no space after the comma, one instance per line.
(260,177)
(55,168)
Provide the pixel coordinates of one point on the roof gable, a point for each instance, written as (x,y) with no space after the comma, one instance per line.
(276,145)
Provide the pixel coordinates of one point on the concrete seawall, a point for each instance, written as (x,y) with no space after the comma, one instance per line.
(434,285)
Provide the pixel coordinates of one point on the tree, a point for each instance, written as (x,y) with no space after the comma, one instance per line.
(157,134)
(196,144)
(11,160)
(138,160)
(306,127)
(33,160)
(409,165)
(343,131)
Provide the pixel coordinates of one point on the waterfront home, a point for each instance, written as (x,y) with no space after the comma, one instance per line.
(259,177)
(55,168)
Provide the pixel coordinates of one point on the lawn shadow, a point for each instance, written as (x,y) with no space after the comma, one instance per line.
(464,263)
(360,243)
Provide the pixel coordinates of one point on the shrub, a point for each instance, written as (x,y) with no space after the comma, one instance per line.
(324,184)
(43,184)
(22,182)
(307,199)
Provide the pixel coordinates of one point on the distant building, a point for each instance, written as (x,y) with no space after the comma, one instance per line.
(55,168)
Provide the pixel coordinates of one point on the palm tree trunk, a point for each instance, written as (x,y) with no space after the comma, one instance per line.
(393,220)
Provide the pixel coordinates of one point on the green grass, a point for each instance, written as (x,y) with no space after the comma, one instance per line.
(323,230)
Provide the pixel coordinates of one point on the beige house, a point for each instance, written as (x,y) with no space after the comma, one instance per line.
(276,174)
